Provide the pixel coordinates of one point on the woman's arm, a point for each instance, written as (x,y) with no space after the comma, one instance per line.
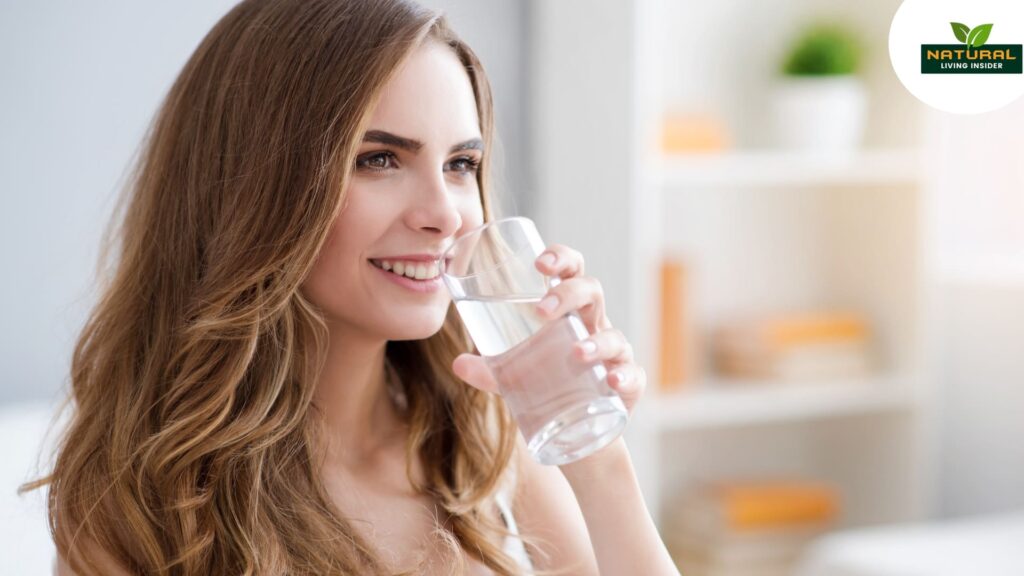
(591,515)
(621,530)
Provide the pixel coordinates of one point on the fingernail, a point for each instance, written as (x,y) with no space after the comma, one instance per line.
(588,347)
(548,303)
(619,376)
(547,259)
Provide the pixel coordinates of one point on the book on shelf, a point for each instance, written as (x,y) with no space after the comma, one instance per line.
(748,528)
(693,132)
(795,347)
(674,353)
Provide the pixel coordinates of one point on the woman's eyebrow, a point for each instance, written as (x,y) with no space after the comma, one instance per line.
(382,137)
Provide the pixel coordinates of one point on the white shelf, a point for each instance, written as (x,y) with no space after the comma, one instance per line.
(895,166)
(1005,272)
(735,403)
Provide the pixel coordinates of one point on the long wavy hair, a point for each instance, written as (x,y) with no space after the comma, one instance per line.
(193,446)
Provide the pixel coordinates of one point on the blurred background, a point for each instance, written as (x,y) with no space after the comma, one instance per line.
(823,277)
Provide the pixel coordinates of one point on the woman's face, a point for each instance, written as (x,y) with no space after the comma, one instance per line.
(413,191)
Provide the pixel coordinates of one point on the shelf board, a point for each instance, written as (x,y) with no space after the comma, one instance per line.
(1007,272)
(896,166)
(738,403)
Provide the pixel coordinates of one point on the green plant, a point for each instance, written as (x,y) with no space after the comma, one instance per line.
(823,50)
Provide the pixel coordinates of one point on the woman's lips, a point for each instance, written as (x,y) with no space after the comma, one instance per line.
(430,285)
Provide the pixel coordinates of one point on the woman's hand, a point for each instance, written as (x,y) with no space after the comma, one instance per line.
(604,484)
(584,295)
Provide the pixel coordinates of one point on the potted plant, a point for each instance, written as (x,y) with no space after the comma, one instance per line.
(820,102)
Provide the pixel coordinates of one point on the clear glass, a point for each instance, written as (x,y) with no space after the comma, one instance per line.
(564,406)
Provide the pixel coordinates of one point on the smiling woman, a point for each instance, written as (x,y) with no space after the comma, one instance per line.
(268,383)
(252,394)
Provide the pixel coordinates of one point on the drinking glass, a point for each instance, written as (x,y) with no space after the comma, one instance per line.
(564,406)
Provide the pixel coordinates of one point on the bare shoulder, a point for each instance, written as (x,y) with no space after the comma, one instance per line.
(546,511)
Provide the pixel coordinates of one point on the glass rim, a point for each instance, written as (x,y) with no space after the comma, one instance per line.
(476,232)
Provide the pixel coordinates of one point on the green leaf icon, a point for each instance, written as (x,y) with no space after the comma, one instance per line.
(960,30)
(979,35)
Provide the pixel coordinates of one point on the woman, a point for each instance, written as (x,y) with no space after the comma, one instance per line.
(252,395)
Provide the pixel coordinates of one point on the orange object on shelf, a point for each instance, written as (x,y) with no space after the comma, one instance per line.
(748,506)
(749,526)
(682,133)
(796,346)
(673,350)
(815,327)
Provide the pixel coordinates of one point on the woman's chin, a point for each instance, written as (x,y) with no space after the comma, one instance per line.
(417,329)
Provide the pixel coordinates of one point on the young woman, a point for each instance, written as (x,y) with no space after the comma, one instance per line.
(253,395)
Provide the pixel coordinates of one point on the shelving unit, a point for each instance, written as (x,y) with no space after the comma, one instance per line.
(896,166)
(761,229)
(723,403)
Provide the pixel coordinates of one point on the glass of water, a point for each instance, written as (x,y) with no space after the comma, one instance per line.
(564,406)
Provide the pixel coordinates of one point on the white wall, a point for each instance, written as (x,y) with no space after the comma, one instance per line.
(977,258)
(982,376)
(80,82)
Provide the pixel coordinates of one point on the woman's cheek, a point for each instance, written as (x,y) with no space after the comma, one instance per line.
(473,214)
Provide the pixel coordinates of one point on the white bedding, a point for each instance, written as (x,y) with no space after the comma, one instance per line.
(991,545)
(25,544)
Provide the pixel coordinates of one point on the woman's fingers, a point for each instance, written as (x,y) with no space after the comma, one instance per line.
(561,261)
(582,294)
(630,381)
(611,347)
(473,369)
(607,345)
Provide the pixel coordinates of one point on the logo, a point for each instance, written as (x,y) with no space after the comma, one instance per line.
(960,57)
(971,56)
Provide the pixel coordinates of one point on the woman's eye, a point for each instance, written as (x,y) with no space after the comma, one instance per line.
(376,162)
(465,165)
(382,161)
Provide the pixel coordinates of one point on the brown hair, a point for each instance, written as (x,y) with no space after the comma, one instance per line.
(193,447)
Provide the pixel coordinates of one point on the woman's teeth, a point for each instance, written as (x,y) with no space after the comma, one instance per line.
(414,270)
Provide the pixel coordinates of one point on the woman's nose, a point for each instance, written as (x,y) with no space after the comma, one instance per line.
(435,210)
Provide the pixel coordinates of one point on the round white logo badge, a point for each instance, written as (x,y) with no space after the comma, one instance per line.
(957,56)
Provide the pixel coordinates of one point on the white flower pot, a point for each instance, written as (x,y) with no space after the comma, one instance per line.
(821,113)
